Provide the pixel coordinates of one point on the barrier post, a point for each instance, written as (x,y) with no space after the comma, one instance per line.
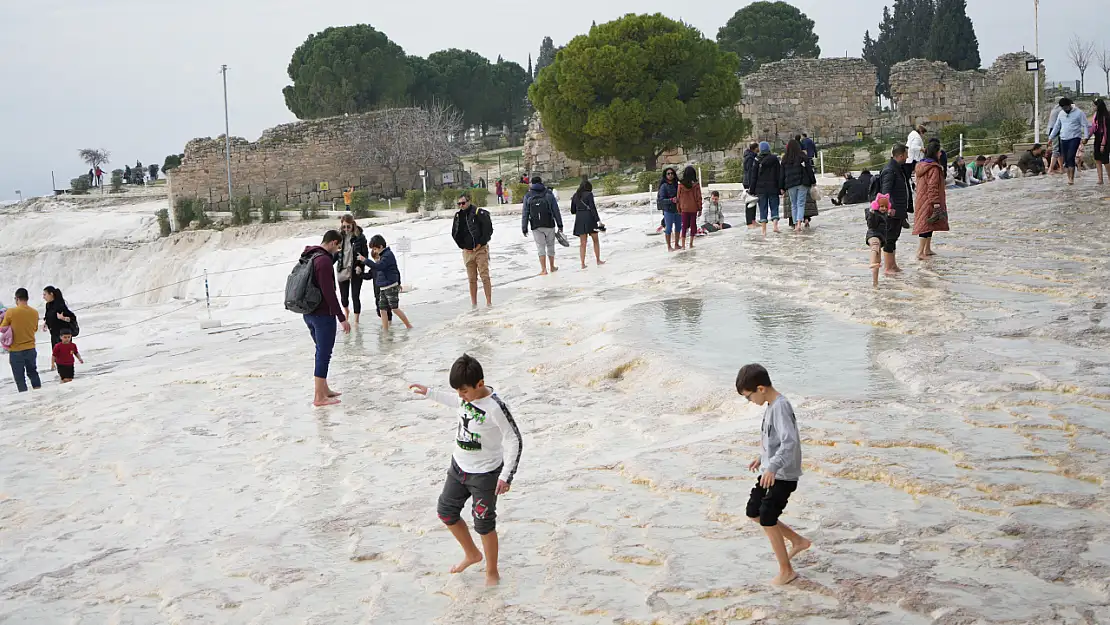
(209,323)
(822,155)
(961,144)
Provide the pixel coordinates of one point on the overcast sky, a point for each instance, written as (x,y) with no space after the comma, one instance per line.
(141,78)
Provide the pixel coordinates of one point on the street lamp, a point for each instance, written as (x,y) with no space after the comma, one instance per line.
(1036,71)
(20,194)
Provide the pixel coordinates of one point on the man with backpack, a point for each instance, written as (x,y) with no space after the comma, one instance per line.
(541,212)
(310,290)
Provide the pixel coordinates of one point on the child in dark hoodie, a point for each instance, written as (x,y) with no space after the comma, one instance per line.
(387,277)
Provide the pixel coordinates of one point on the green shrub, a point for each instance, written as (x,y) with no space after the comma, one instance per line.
(519,191)
(878,153)
(447,197)
(413,199)
(163,222)
(1012,131)
(314,211)
(840,159)
(304,212)
(611,185)
(241,211)
(647,181)
(269,211)
(79,185)
(734,170)
(117,181)
(360,204)
(950,137)
(185,212)
(479,197)
(200,211)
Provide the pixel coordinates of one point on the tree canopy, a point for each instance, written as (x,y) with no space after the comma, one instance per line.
(636,87)
(763,32)
(547,55)
(938,30)
(354,69)
(346,70)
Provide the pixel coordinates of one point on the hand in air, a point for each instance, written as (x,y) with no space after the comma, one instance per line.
(754,466)
(419,389)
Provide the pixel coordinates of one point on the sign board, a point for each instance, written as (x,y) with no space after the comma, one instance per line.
(404,245)
(859,135)
(448,177)
(423,173)
(1033,66)
(325,186)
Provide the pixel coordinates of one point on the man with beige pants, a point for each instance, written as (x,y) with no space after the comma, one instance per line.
(472,230)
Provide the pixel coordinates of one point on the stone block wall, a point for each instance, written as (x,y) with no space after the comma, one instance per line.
(287,163)
(831,99)
(541,158)
(931,91)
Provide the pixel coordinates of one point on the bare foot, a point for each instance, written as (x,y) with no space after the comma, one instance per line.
(331,401)
(493,579)
(334,394)
(583,265)
(922,257)
(543,273)
(783,579)
(600,263)
(896,269)
(890,272)
(930,253)
(798,547)
(554,269)
(466,563)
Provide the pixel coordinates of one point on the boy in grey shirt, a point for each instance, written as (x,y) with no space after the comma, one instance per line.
(780,464)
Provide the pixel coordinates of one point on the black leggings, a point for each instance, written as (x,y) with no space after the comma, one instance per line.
(926,235)
(351,287)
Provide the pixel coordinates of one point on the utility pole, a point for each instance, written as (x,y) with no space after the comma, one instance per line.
(227,138)
(1037,73)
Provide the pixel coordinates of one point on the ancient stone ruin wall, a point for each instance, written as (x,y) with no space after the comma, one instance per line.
(931,91)
(287,163)
(541,158)
(831,99)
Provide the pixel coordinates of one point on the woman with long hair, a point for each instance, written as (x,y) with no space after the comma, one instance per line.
(667,201)
(1100,133)
(796,179)
(931,203)
(58,316)
(689,204)
(587,223)
(350,269)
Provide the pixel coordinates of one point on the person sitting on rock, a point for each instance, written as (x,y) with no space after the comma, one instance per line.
(1032,162)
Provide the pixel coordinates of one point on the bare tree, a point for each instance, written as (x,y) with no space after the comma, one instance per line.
(1080,53)
(1104,65)
(409,137)
(95,158)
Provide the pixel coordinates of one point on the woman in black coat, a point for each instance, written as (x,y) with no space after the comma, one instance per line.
(58,316)
(587,223)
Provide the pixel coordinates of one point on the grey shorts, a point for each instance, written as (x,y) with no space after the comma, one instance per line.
(480,487)
(545,241)
(389,298)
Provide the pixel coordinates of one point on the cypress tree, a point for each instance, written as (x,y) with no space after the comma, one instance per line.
(952,37)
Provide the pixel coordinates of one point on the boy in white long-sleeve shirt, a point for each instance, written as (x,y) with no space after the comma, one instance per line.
(484,461)
(780,462)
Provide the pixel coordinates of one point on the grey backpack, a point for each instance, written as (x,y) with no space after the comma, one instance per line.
(302,295)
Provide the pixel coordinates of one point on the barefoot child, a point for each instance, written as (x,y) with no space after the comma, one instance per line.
(63,355)
(387,277)
(877,216)
(486,456)
(781,465)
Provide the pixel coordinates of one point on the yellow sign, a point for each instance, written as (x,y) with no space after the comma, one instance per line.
(859,135)
(324,186)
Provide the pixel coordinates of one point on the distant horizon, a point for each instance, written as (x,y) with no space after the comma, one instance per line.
(143,90)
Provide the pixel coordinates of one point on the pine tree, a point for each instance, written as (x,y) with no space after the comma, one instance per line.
(547,55)
(952,37)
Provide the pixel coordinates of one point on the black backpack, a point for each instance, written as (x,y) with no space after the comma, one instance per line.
(873,189)
(302,295)
(539,212)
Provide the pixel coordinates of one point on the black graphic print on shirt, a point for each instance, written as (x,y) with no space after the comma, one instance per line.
(467,440)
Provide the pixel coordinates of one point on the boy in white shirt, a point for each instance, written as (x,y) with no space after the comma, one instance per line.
(486,456)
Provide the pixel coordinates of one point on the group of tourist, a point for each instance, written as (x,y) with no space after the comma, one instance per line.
(772,179)
(18,326)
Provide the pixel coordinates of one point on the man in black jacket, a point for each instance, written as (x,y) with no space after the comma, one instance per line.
(894,183)
(854,190)
(472,230)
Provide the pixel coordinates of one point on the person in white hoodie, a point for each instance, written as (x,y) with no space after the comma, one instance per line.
(485,459)
(916,144)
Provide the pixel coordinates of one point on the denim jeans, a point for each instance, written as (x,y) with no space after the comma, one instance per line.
(25,361)
(323,330)
(672,222)
(768,202)
(798,196)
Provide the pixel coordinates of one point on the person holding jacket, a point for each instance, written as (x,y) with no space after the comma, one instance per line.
(797,177)
(58,316)
(667,201)
(931,205)
(689,204)
(767,185)
(322,321)
(894,183)
(541,212)
(472,230)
